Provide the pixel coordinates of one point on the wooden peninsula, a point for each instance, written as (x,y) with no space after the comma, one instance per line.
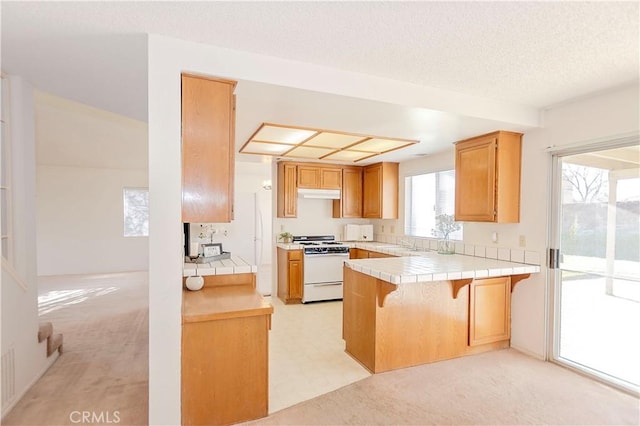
(404,311)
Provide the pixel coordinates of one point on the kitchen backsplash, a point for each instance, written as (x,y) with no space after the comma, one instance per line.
(490,252)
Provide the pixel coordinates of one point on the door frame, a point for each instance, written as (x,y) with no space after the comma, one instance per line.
(553,242)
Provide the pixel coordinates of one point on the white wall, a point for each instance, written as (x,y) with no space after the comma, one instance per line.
(86,156)
(19,306)
(80,221)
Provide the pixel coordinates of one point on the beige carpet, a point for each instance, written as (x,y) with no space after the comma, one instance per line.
(104,367)
(496,388)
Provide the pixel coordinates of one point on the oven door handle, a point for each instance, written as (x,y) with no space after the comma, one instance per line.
(325,284)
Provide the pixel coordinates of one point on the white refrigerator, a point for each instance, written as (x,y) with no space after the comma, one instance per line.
(249,234)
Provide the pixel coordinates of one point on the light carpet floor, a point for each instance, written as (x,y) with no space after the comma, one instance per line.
(495,388)
(104,366)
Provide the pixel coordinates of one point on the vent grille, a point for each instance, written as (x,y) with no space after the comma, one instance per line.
(8,377)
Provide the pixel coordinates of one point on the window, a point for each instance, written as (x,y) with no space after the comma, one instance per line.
(427,196)
(136,212)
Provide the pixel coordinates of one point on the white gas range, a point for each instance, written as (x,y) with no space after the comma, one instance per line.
(323,262)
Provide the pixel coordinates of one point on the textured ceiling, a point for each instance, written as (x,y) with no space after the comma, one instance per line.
(527,53)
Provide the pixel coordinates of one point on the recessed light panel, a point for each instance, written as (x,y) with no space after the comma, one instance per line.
(334,140)
(347,156)
(282,135)
(316,144)
(309,152)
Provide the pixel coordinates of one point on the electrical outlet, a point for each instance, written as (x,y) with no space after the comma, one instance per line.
(494,237)
(522,241)
(393,229)
(382,228)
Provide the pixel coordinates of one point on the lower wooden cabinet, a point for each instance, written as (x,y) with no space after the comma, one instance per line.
(290,275)
(358,253)
(489,310)
(225,355)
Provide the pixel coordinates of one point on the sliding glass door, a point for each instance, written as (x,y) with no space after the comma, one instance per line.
(597,277)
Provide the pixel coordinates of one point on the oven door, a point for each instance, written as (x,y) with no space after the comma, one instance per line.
(323,276)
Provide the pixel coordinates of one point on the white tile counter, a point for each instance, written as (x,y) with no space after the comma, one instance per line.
(431,266)
(234,265)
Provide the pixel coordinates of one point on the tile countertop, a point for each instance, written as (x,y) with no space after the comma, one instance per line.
(431,266)
(234,265)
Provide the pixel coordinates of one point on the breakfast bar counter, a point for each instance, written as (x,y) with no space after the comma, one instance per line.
(404,311)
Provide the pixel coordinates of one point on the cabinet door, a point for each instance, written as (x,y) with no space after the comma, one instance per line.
(376,255)
(287,192)
(476,180)
(308,177)
(207,149)
(330,178)
(372,189)
(295,279)
(489,310)
(351,193)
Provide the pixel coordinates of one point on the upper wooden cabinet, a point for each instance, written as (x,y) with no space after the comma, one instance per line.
(314,177)
(208,123)
(380,188)
(488,178)
(350,203)
(287,190)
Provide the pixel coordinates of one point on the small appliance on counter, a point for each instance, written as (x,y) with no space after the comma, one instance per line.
(358,232)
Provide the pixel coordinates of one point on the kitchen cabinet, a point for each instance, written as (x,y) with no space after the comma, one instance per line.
(290,275)
(350,203)
(489,310)
(488,178)
(287,202)
(358,253)
(208,126)
(380,189)
(314,177)
(225,353)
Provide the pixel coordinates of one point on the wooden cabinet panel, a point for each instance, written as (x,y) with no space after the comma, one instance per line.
(380,191)
(295,279)
(314,177)
(225,371)
(376,255)
(290,264)
(308,177)
(350,203)
(208,120)
(330,178)
(488,178)
(287,191)
(489,310)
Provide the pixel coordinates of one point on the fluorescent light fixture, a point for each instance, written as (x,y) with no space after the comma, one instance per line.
(317,144)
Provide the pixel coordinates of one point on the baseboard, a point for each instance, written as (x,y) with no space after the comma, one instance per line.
(50,360)
(529,353)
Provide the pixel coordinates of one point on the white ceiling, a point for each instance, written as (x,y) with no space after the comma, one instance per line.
(527,53)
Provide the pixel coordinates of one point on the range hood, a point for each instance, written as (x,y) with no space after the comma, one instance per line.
(326,194)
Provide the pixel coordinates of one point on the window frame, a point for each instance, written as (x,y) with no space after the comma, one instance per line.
(409,230)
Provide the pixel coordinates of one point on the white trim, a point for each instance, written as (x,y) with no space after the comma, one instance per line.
(598,376)
(51,359)
(9,269)
(599,144)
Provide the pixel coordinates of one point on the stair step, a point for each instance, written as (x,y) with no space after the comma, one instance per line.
(54,343)
(44,331)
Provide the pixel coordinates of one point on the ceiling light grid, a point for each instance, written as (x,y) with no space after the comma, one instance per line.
(316,144)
